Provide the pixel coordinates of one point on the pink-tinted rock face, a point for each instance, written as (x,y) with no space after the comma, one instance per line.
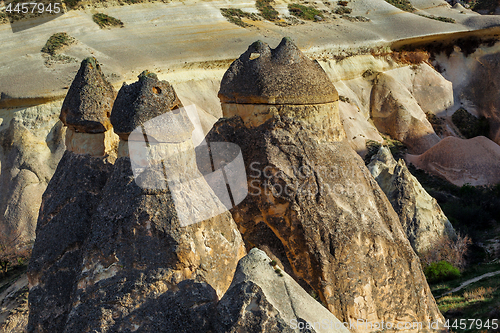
(475,161)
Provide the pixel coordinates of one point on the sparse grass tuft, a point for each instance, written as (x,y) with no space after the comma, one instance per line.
(304,12)
(104,21)
(402,4)
(342,10)
(235,16)
(56,42)
(267,10)
(439,18)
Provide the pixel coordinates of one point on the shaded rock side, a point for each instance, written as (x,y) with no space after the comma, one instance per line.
(283,75)
(421,217)
(139,249)
(262,298)
(395,111)
(474,161)
(63,226)
(315,207)
(89,100)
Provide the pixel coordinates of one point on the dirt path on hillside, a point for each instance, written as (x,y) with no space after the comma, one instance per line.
(466,283)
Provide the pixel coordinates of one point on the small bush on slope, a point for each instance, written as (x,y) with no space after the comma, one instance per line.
(441,271)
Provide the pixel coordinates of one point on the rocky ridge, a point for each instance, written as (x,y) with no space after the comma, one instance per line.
(315,207)
(421,217)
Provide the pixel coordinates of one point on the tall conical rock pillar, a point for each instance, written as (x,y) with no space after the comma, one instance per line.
(140,248)
(69,201)
(312,205)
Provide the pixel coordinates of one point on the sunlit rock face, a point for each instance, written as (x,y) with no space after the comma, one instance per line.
(421,217)
(313,205)
(140,249)
(73,194)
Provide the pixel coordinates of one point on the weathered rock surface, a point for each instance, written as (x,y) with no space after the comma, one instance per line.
(139,250)
(263,299)
(314,206)
(474,161)
(89,100)
(63,227)
(141,101)
(396,112)
(421,217)
(31,145)
(279,76)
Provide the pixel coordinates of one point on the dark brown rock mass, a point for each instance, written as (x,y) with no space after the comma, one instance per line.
(282,75)
(89,101)
(313,204)
(63,227)
(141,101)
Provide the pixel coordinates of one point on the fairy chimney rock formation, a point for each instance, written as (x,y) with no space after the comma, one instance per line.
(71,197)
(263,83)
(313,206)
(86,110)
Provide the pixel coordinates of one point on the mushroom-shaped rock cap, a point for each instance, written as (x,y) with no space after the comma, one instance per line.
(89,101)
(142,101)
(280,76)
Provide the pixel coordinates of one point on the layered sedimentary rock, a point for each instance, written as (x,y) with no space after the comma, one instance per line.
(312,203)
(421,217)
(474,161)
(140,249)
(64,222)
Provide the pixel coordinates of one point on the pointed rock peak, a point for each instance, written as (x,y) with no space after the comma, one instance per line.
(89,100)
(384,155)
(142,101)
(283,75)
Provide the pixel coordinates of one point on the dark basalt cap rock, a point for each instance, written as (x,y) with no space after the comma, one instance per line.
(89,101)
(284,75)
(142,101)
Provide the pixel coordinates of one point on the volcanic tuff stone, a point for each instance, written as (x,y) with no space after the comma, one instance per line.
(421,217)
(63,226)
(138,250)
(141,101)
(89,100)
(279,76)
(262,299)
(314,205)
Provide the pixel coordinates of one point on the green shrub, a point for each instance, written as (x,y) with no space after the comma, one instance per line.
(104,21)
(402,4)
(267,10)
(56,42)
(304,12)
(441,271)
(468,125)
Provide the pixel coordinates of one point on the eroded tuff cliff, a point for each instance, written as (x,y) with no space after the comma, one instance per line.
(421,217)
(313,204)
